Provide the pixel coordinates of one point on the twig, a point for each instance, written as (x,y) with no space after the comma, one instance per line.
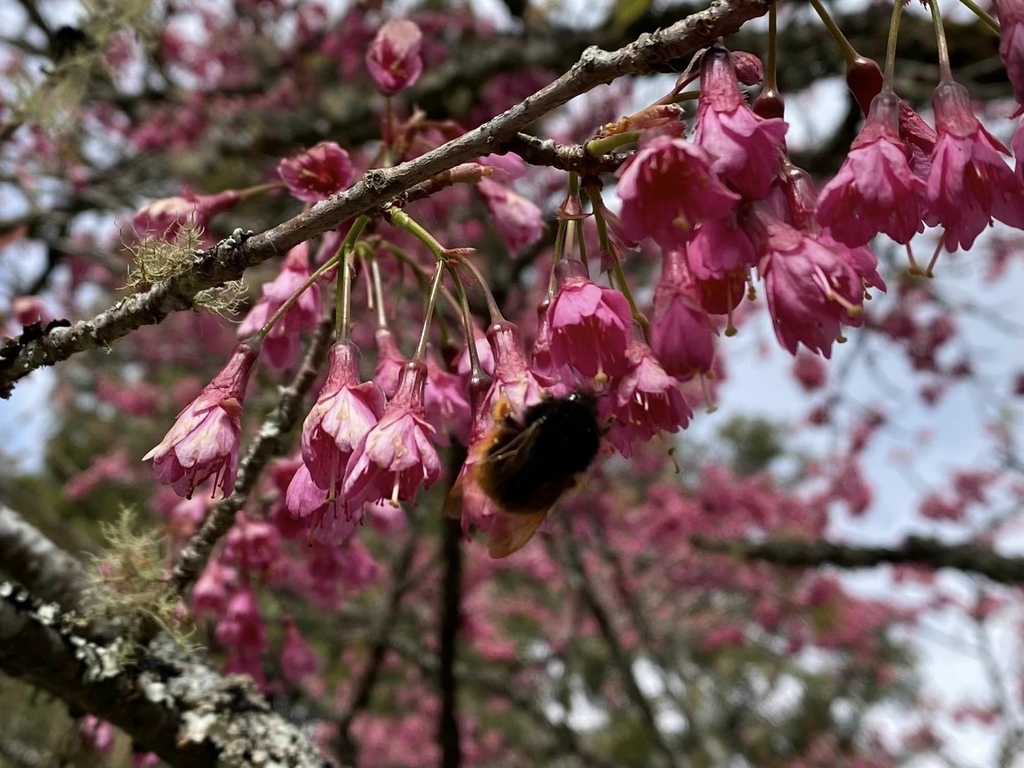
(500,686)
(618,652)
(451,617)
(970,558)
(379,644)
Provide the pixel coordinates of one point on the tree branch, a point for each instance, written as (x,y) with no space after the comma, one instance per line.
(39,565)
(167,701)
(969,558)
(230,258)
(451,618)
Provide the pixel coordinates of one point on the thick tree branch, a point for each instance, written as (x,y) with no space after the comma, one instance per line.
(267,444)
(969,558)
(231,258)
(35,562)
(167,701)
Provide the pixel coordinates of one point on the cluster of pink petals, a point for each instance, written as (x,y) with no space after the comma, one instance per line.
(283,345)
(518,220)
(252,545)
(969,182)
(682,333)
(298,660)
(812,289)
(590,326)
(1011,43)
(241,627)
(163,218)
(743,145)
(645,401)
(317,173)
(720,248)
(875,190)
(667,188)
(204,440)
(393,57)
(344,412)
(396,456)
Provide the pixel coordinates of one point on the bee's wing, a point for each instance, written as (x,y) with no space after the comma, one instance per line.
(453,501)
(510,533)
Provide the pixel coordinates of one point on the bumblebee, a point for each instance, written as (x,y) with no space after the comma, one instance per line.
(528,464)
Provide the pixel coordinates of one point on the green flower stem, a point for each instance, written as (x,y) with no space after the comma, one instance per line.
(982,14)
(572,226)
(850,54)
(259,189)
(679,98)
(343,291)
(476,371)
(770,79)
(435,287)
(639,317)
(945,73)
(890,49)
(492,306)
(604,145)
(402,220)
(424,284)
(378,293)
(268,326)
(597,205)
(556,257)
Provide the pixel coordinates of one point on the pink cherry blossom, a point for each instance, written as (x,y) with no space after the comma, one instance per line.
(204,440)
(393,57)
(252,545)
(1011,44)
(668,188)
(514,384)
(297,659)
(396,457)
(210,594)
(517,219)
(163,218)
(743,145)
(682,333)
(645,401)
(344,412)
(809,371)
(811,289)
(332,521)
(390,361)
(721,247)
(445,404)
(590,326)
(283,345)
(317,173)
(875,190)
(969,183)
(241,627)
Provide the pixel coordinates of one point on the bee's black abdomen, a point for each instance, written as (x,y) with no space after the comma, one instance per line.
(564,438)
